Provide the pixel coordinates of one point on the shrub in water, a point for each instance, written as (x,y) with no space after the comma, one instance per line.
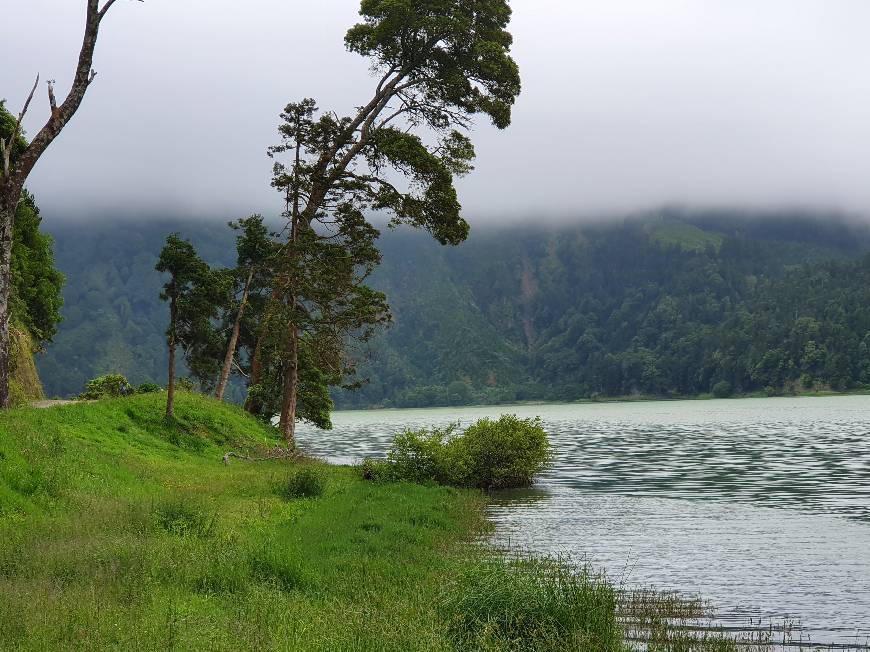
(306,482)
(507,452)
(498,454)
(110,385)
(418,455)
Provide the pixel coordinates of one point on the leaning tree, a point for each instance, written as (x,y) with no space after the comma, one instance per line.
(438,63)
(19,157)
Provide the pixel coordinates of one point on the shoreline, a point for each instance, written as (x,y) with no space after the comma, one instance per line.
(617,399)
(120,531)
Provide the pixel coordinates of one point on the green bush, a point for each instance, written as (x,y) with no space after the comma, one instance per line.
(148,388)
(419,456)
(530,604)
(377,470)
(306,482)
(108,386)
(722,389)
(184,384)
(499,454)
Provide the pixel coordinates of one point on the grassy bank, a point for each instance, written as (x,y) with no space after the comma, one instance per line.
(120,532)
(117,532)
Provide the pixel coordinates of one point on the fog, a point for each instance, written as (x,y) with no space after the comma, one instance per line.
(626,104)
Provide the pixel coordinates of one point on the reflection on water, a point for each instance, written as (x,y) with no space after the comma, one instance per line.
(762,506)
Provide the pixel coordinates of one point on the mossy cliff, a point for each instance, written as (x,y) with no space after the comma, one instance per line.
(24,385)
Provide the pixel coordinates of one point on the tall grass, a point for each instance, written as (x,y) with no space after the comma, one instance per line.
(531,603)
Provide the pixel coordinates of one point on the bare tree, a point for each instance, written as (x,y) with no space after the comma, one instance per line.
(19,158)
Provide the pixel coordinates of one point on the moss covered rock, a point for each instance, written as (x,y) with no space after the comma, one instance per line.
(24,384)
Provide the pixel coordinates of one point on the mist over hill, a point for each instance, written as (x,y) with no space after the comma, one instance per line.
(670,304)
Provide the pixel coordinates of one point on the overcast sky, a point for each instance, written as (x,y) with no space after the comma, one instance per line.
(626,104)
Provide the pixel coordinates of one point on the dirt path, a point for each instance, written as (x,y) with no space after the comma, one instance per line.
(49,404)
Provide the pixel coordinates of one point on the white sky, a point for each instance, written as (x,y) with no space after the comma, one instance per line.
(627,104)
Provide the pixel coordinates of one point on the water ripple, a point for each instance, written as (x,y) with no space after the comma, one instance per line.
(762,506)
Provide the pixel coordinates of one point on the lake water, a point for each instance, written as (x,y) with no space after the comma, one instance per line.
(761,506)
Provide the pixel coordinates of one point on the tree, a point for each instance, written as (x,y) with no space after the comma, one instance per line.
(256,252)
(194,292)
(314,403)
(36,283)
(440,62)
(17,159)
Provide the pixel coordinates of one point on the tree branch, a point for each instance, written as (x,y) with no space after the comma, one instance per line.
(106,8)
(84,75)
(7,147)
(51,100)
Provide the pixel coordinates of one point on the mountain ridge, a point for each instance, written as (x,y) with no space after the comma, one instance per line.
(657,304)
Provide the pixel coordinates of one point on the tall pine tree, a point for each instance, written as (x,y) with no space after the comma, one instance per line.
(440,62)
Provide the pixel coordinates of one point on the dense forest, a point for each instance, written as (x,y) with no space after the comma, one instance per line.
(672,305)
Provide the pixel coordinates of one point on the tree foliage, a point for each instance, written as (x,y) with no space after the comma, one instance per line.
(195,293)
(36,283)
(527,314)
(35,299)
(439,64)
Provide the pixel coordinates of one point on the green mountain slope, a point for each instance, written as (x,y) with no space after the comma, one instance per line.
(665,305)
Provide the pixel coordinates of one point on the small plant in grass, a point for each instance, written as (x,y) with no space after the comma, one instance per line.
(108,386)
(306,482)
(184,384)
(181,515)
(377,470)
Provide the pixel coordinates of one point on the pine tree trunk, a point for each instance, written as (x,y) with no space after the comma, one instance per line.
(290,378)
(291,386)
(170,385)
(7,221)
(234,339)
(256,374)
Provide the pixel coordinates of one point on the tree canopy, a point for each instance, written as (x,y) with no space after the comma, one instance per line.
(439,64)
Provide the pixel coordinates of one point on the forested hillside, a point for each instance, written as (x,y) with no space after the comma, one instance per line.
(675,305)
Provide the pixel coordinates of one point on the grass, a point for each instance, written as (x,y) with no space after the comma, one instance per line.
(118,531)
(532,603)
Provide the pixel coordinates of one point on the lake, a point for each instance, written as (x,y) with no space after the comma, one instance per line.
(761,506)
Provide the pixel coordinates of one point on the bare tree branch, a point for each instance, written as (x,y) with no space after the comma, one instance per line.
(7,147)
(27,102)
(51,100)
(106,8)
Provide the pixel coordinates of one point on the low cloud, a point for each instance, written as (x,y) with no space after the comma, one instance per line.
(626,105)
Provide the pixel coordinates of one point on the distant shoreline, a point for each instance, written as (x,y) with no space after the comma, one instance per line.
(618,399)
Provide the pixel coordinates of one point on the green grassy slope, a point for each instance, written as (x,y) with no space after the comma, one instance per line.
(118,532)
